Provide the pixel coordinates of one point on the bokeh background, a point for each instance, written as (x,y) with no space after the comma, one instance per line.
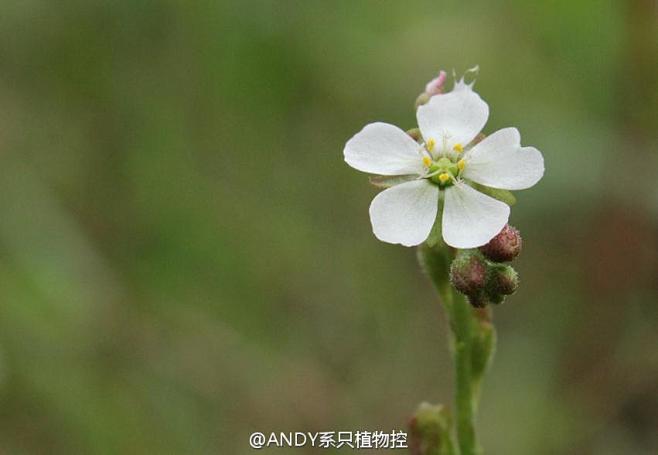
(185,258)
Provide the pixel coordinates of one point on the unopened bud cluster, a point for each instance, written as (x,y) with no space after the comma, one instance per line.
(481,275)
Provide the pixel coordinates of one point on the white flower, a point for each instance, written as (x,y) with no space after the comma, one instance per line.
(443,166)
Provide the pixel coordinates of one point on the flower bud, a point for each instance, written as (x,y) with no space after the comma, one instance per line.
(415,134)
(503,280)
(423,98)
(468,272)
(429,430)
(495,299)
(479,300)
(505,246)
(435,86)
(479,138)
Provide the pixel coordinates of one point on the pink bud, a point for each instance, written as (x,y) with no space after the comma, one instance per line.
(505,246)
(435,86)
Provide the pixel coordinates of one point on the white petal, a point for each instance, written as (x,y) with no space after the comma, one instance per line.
(380,148)
(456,117)
(499,161)
(470,218)
(405,213)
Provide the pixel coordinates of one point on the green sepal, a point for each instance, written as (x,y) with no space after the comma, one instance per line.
(415,134)
(423,98)
(435,238)
(502,195)
(387,181)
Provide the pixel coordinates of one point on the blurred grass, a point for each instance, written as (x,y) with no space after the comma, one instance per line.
(185,258)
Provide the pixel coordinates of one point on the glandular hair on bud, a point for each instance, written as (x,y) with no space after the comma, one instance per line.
(503,280)
(468,272)
(505,246)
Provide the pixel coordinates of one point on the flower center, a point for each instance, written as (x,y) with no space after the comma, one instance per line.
(444,171)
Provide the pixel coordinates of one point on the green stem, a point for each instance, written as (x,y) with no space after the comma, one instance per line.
(472,345)
(461,321)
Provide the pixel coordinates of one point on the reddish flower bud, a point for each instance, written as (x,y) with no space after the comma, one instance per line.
(505,246)
(468,272)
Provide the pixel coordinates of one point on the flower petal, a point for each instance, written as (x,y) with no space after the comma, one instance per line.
(405,213)
(499,161)
(470,218)
(456,117)
(380,148)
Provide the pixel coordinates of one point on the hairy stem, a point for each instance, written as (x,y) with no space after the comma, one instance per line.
(472,341)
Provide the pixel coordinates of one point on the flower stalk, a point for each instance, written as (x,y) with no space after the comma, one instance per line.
(472,340)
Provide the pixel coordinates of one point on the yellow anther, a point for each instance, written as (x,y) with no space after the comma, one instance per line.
(458,147)
(427,161)
(444,177)
(429,145)
(461,164)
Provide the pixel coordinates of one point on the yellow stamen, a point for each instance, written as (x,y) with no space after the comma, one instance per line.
(429,145)
(458,147)
(427,161)
(444,177)
(461,164)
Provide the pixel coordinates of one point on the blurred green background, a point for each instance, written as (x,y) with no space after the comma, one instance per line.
(185,258)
